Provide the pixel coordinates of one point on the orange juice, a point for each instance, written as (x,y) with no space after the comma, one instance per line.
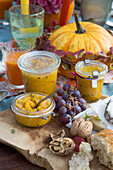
(13,72)
(11,51)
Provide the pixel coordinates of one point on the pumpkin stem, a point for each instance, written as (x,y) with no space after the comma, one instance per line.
(80,30)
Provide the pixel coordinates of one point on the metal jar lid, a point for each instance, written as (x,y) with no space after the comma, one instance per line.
(94,74)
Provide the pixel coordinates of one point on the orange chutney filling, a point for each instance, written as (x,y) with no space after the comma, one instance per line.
(85,85)
(29,102)
(90,68)
(40,81)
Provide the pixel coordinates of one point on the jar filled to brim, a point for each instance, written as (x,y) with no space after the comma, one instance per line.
(26,114)
(39,70)
(90,76)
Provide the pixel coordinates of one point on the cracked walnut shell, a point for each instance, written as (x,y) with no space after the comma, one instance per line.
(61,145)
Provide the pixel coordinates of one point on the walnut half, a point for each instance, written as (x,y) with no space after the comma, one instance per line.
(61,145)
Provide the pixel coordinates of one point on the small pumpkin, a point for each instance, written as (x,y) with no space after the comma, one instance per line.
(84,35)
(72,37)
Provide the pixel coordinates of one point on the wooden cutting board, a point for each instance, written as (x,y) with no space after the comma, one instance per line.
(32,143)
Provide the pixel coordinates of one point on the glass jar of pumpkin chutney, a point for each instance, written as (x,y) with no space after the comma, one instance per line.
(90,76)
(39,71)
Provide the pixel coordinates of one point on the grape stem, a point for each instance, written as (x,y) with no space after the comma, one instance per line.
(74,107)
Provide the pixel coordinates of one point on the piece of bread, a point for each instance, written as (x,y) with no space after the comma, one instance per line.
(80,160)
(102,142)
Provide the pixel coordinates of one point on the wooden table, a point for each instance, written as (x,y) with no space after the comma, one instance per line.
(11,159)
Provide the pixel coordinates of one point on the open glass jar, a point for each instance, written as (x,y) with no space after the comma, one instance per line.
(36,117)
(39,70)
(90,77)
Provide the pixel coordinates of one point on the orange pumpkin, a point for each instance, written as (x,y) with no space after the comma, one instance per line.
(92,38)
(48,18)
(84,35)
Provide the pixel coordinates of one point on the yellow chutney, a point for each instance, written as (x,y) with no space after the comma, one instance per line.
(24,108)
(39,70)
(89,79)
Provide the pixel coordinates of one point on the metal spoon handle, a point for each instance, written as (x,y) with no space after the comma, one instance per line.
(52,94)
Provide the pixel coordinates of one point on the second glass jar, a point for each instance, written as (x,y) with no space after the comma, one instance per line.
(90,77)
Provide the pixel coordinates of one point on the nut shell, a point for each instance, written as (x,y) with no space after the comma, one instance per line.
(62,146)
(81,127)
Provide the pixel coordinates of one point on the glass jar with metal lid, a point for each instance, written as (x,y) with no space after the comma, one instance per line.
(39,70)
(90,76)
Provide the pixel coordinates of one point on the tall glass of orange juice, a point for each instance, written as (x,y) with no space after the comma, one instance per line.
(12,50)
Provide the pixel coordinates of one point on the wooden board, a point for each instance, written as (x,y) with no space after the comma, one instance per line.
(32,143)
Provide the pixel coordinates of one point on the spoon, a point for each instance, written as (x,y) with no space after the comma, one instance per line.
(52,94)
(3,95)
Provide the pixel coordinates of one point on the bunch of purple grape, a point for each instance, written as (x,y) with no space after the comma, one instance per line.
(69,103)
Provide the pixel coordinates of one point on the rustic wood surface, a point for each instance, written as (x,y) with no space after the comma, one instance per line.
(12,159)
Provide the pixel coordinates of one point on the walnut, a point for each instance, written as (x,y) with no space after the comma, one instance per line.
(61,145)
(81,127)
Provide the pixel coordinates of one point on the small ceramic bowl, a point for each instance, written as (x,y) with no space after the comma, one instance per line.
(31,118)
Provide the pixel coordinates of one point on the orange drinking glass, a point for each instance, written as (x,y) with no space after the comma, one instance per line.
(12,50)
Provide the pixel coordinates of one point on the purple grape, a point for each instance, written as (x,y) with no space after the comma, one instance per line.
(58,98)
(71,113)
(66,86)
(83,107)
(65,96)
(78,109)
(61,102)
(69,91)
(65,118)
(60,92)
(82,101)
(76,93)
(76,102)
(68,103)
(62,110)
(57,107)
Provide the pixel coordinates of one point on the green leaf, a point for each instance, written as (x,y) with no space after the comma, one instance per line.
(87,116)
(97,117)
(81,54)
(56,27)
(12,131)
(65,66)
(111,66)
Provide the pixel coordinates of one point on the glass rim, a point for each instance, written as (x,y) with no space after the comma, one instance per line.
(2,47)
(14,7)
(82,63)
(25,56)
(37,114)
